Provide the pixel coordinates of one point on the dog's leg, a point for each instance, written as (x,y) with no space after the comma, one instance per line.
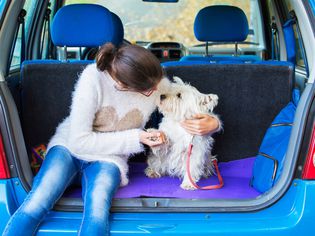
(186,184)
(196,169)
(155,159)
(154,163)
(208,166)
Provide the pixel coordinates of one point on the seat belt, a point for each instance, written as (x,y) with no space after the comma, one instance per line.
(290,40)
(275,50)
(21,20)
(46,28)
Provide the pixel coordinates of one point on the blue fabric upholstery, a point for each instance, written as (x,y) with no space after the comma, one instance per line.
(289,40)
(85,25)
(39,61)
(220,58)
(221,24)
(183,63)
(275,63)
(226,62)
(47,62)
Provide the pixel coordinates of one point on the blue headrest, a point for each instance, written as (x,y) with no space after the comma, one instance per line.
(221,24)
(85,25)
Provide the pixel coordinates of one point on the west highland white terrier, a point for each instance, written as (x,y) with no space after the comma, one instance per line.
(181,102)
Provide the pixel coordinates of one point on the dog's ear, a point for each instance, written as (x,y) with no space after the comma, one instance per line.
(210,101)
(178,80)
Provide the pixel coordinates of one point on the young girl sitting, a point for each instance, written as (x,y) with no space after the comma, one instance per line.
(112,101)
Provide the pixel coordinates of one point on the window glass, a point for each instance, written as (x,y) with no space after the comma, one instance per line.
(29,6)
(272,32)
(160,22)
(299,47)
(299,55)
(45,46)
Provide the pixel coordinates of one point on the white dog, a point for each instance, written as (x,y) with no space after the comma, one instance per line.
(182,101)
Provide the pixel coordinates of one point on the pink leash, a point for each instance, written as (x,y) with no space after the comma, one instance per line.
(215,163)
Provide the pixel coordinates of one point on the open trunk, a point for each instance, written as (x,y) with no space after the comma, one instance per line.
(250,96)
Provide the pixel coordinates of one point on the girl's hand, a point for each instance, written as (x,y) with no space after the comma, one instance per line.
(152,138)
(201,124)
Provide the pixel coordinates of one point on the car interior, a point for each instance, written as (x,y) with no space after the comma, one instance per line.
(252,87)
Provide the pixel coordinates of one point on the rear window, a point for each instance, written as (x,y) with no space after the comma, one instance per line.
(160,22)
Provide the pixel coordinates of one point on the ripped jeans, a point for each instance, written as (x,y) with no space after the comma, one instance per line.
(100,181)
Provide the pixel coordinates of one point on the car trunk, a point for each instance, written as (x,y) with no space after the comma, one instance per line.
(250,96)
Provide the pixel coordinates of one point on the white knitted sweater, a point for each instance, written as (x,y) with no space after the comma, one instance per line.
(104,123)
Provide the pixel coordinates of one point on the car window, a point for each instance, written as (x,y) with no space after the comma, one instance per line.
(164,22)
(299,47)
(29,6)
(272,37)
(45,45)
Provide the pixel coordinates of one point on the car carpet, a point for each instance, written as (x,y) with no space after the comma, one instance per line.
(236,175)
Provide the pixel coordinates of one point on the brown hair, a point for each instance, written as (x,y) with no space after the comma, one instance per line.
(132,65)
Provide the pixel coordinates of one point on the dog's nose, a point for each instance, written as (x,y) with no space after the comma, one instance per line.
(162,97)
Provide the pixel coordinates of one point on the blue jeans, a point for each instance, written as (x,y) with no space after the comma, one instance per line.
(100,181)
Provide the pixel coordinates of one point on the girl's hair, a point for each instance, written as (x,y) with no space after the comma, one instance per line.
(132,65)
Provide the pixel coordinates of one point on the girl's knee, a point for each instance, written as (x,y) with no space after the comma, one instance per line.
(108,171)
(59,151)
(108,180)
(113,170)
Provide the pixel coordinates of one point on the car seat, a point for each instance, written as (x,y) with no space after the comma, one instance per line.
(221,24)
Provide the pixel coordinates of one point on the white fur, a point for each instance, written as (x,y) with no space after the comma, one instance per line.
(181,102)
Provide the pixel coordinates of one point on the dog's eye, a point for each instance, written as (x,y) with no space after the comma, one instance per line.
(179,95)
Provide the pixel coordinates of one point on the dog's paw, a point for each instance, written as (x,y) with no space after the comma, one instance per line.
(187,186)
(151,173)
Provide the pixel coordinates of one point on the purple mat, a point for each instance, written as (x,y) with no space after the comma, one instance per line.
(236,176)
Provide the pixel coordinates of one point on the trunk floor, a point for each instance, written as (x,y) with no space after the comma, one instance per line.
(236,176)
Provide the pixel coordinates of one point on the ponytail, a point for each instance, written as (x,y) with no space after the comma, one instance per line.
(105,57)
(132,65)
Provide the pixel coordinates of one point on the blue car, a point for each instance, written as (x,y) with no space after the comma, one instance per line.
(256,55)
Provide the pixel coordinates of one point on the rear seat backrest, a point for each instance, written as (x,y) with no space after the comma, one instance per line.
(250,96)
(46,98)
(47,85)
(221,24)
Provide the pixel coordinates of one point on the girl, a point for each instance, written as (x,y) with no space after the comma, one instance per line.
(112,101)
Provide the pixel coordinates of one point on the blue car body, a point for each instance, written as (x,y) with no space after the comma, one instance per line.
(290,214)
